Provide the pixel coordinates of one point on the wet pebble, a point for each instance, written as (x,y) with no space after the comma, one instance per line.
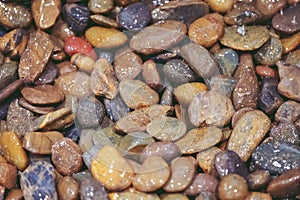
(75,45)
(67,188)
(259,179)
(76,16)
(276,157)
(151,75)
(227,59)
(8,175)
(238,114)
(202,183)
(171,196)
(289,110)
(206,196)
(49,74)
(258,195)
(8,74)
(185,93)
(269,8)
(222,84)
(100,6)
(83,62)
(290,43)
(219,6)
(206,160)
(248,132)
(104,21)
(134,16)
(66,156)
(265,71)
(286,132)
(132,193)
(116,108)
(199,139)
(89,155)
(92,189)
(135,142)
(293,58)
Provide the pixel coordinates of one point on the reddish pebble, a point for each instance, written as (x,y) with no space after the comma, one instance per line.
(77,45)
(265,71)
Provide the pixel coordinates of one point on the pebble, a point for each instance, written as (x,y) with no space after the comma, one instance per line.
(227,59)
(185,93)
(222,84)
(265,71)
(65,67)
(151,75)
(206,196)
(182,174)
(111,169)
(8,74)
(116,108)
(166,150)
(289,110)
(245,93)
(134,16)
(269,99)
(45,14)
(269,8)
(200,60)
(76,16)
(276,157)
(137,94)
(199,139)
(128,65)
(293,58)
(202,183)
(248,132)
(104,21)
(219,6)
(290,43)
(83,62)
(66,156)
(218,109)
(286,185)
(247,39)
(259,179)
(270,52)
(101,37)
(103,79)
(135,142)
(75,45)
(35,57)
(92,189)
(132,193)
(206,160)
(153,174)
(40,142)
(37,181)
(177,71)
(15,194)
(89,155)
(11,41)
(61,30)
(100,6)
(206,31)
(14,15)
(228,162)
(287,21)
(238,114)
(19,120)
(285,132)
(243,13)
(10,89)
(166,128)
(176,196)
(171,32)
(8,175)
(289,85)
(258,195)
(67,188)
(232,187)
(48,76)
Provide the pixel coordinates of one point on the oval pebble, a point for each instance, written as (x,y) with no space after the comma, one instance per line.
(220,6)
(75,45)
(132,193)
(227,59)
(8,175)
(285,132)
(185,93)
(176,196)
(232,187)
(199,139)
(151,74)
(265,71)
(116,108)
(100,6)
(206,160)
(67,188)
(202,183)
(269,8)
(259,179)
(290,43)
(135,142)
(49,74)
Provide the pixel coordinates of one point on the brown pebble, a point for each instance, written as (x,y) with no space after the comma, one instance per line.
(290,43)
(289,110)
(220,6)
(259,179)
(206,160)
(202,183)
(151,75)
(269,8)
(15,194)
(238,114)
(8,175)
(83,62)
(265,71)
(67,188)
(66,67)
(258,196)
(104,21)
(36,109)
(10,89)
(232,187)
(66,156)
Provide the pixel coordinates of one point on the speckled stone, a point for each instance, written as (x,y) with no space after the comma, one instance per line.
(37,181)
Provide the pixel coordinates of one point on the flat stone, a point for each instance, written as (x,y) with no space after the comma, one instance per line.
(289,110)
(185,93)
(206,160)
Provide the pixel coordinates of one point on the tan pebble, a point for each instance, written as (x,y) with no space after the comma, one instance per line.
(132,193)
(258,196)
(100,6)
(15,194)
(259,179)
(83,62)
(66,67)
(67,188)
(8,175)
(104,21)
(206,160)
(12,150)
(153,174)
(174,196)
(186,92)
(135,142)
(111,169)
(238,114)
(220,6)
(290,43)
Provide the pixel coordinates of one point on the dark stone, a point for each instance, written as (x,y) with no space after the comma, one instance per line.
(116,108)
(76,16)
(72,133)
(8,74)
(49,74)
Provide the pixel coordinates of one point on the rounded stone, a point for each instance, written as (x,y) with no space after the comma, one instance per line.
(232,187)
(259,179)
(185,93)
(202,183)
(100,6)
(67,188)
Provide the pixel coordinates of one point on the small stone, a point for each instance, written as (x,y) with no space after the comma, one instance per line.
(83,62)
(232,187)
(251,38)
(286,185)
(135,142)
(10,42)
(265,71)
(206,160)
(258,195)
(227,59)
(285,132)
(66,156)
(238,114)
(15,194)
(61,30)
(100,6)
(111,169)
(153,174)
(202,183)
(132,193)
(67,188)
(37,181)
(116,108)
(151,75)
(167,97)
(128,65)
(75,45)
(72,132)
(92,189)
(248,132)
(206,196)
(49,74)
(269,8)
(137,94)
(89,155)
(176,196)
(290,43)
(222,84)
(199,139)
(8,175)
(289,110)
(104,21)
(259,179)
(276,157)
(101,37)
(221,7)
(8,74)
(182,174)
(166,128)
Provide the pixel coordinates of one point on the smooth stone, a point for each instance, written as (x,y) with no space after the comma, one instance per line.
(219,6)
(218,109)
(86,139)
(11,43)
(8,74)
(222,84)
(92,189)
(167,97)
(238,114)
(258,195)
(100,6)
(40,142)
(72,132)
(61,30)
(135,142)
(132,193)
(45,13)
(166,128)
(289,110)
(265,71)
(66,156)
(153,174)
(170,33)
(105,53)
(269,8)
(202,183)
(232,187)
(176,196)
(206,160)
(67,188)
(111,169)
(199,139)
(103,79)
(248,39)
(151,75)
(74,45)
(89,155)
(101,37)
(206,196)
(182,174)
(290,43)
(286,185)
(200,60)
(289,85)
(8,175)
(48,76)
(259,179)
(270,52)
(276,157)
(105,21)
(248,132)
(65,67)
(83,62)
(128,65)
(134,16)
(245,93)
(285,132)
(137,94)
(228,162)
(227,59)
(116,108)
